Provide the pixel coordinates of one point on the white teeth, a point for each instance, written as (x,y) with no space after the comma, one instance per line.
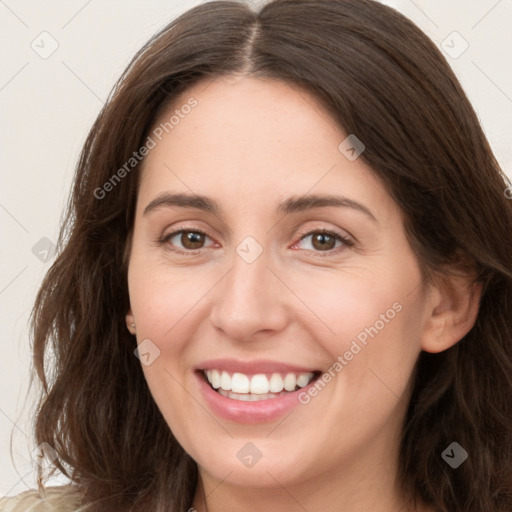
(249,397)
(259,384)
(225,381)
(214,378)
(290,381)
(303,379)
(276,383)
(240,383)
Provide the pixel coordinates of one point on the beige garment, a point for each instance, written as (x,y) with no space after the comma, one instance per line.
(58,499)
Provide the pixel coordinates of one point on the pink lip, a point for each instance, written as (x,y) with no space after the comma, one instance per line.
(249,412)
(252,367)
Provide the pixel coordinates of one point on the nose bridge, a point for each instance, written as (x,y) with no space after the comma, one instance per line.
(247,301)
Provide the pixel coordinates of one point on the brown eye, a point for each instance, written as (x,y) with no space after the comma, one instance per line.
(192,239)
(185,240)
(323,241)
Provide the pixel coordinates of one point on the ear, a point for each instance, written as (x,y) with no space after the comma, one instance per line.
(453,308)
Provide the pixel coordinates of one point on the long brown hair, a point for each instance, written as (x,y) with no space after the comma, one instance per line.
(382,79)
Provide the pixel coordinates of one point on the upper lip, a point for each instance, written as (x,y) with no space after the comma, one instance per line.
(253,367)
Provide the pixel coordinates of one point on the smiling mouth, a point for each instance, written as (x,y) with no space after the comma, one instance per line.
(257,387)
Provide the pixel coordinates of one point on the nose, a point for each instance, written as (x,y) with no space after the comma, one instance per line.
(250,300)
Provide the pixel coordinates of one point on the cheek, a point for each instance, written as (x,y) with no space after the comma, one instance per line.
(370,325)
(162,299)
(354,304)
(167,309)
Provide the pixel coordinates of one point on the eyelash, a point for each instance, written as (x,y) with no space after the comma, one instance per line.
(345,241)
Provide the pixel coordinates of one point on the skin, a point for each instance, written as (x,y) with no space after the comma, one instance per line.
(250,144)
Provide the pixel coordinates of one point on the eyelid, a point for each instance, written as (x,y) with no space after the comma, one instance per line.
(304,232)
(346,240)
(165,238)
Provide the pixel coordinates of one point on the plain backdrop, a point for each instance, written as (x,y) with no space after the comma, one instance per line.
(59,61)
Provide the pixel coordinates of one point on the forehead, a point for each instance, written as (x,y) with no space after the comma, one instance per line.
(228,109)
(251,139)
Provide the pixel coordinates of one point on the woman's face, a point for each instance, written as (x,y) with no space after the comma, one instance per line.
(263,299)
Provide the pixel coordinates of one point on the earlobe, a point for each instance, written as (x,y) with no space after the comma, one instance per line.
(130,322)
(454,306)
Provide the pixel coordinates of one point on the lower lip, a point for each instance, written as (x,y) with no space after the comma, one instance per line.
(249,412)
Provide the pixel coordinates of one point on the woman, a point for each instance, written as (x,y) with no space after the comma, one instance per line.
(287,279)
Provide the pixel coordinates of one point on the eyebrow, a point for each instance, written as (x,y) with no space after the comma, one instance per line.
(290,205)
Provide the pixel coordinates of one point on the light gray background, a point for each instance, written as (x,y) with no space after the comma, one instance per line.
(48,104)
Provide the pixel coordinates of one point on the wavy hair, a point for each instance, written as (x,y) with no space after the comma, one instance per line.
(381,78)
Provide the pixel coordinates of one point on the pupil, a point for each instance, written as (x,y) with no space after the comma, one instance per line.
(319,241)
(192,240)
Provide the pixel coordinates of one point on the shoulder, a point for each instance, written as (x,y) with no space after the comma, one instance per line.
(63,498)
